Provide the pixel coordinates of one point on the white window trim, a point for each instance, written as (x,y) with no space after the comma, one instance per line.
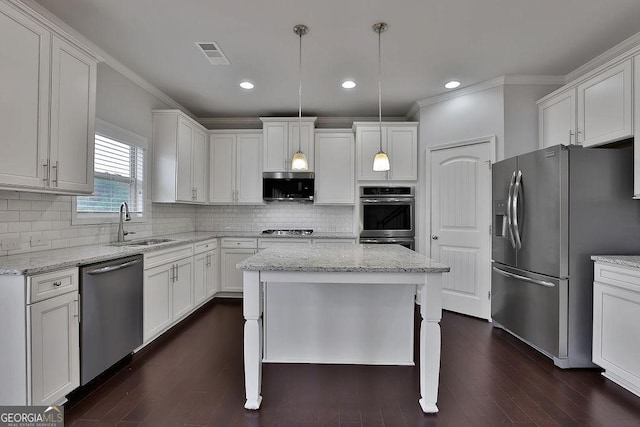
(116,133)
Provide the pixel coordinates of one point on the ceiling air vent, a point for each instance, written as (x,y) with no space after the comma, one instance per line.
(213,53)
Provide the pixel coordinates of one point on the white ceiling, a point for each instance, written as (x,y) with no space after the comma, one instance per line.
(428,42)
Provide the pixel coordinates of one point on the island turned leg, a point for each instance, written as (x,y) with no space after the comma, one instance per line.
(431,313)
(252,311)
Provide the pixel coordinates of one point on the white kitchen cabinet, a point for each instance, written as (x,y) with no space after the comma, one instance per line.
(235,167)
(233,251)
(264,243)
(616,330)
(168,289)
(205,262)
(179,158)
(157,296)
(47,110)
(399,141)
(605,106)
(557,119)
(281,136)
(40,335)
(334,164)
(55,348)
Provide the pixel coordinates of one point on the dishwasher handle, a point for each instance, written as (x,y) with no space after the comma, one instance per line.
(114,267)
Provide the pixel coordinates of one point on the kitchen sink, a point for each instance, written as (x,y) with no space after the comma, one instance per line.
(142,242)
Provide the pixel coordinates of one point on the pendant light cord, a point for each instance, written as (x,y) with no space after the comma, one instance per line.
(300,97)
(380,87)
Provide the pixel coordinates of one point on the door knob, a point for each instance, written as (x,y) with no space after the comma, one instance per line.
(434,237)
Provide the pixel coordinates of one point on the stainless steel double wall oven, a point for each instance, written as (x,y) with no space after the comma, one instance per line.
(387,215)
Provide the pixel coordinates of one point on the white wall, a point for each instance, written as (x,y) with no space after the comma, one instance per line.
(521,117)
(508,112)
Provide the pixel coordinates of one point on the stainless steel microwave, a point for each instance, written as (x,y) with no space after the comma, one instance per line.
(288,186)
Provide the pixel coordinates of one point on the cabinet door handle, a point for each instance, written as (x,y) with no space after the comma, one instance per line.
(46,171)
(77,304)
(173,273)
(58,283)
(177,272)
(56,167)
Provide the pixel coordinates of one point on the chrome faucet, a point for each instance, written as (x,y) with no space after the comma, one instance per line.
(127,217)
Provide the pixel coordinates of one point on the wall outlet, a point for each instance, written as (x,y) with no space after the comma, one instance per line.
(38,241)
(11,244)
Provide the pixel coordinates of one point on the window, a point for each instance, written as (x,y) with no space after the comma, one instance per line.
(119,176)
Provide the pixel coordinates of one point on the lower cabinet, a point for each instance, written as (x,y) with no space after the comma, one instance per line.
(168,289)
(39,338)
(616,330)
(55,349)
(230,276)
(205,264)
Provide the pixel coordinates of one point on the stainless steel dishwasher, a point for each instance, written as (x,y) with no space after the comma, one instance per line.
(110,313)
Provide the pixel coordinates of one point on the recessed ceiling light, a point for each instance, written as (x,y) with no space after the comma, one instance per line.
(247,85)
(452,84)
(348,84)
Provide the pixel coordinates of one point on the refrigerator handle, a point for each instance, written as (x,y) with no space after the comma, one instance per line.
(509,210)
(514,206)
(524,278)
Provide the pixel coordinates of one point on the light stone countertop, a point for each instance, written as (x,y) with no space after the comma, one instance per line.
(632,261)
(342,258)
(43,261)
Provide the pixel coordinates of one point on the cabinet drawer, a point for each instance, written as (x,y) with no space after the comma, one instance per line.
(152,259)
(205,246)
(238,243)
(47,285)
(623,277)
(268,243)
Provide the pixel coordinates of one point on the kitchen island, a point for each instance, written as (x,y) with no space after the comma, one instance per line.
(341,304)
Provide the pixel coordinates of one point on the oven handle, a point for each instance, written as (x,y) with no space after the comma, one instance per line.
(388,201)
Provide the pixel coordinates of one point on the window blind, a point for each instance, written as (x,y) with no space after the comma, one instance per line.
(118,169)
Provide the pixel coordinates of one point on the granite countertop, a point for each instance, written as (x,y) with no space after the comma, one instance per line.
(342,258)
(44,261)
(632,261)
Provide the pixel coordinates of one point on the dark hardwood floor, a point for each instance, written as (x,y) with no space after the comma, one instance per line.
(194,377)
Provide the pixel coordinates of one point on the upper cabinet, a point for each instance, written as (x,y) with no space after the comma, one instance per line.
(604,106)
(335,161)
(180,154)
(557,120)
(590,112)
(235,167)
(47,108)
(636,120)
(281,136)
(399,141)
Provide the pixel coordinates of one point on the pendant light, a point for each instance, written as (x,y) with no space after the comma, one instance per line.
(381,160)
(299,160)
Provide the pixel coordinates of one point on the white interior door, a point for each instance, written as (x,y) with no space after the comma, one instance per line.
(460,221)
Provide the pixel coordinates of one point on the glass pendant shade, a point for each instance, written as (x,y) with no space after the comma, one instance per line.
(381,162)
(299,162)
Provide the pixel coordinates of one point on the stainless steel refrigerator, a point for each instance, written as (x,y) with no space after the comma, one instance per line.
(552,209)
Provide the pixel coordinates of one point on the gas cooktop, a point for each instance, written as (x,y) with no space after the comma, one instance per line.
(288,232)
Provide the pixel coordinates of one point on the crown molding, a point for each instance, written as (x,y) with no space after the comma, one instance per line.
(627,48)
(487,84)
(231,122)
(43,15)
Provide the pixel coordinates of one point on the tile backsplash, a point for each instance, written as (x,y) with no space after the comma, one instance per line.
(275,216)
(43,221)
(47,218)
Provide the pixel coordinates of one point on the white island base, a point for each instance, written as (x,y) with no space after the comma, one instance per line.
(341,317)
